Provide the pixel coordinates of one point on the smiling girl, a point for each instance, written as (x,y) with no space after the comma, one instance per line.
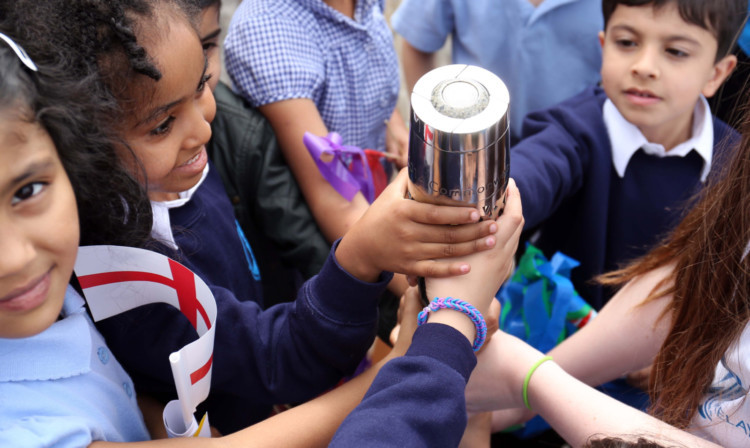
(51,353)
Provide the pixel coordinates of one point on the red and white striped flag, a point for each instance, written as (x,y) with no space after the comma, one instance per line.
(116,279)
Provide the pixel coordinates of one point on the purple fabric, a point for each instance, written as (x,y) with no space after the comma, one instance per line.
(346,179)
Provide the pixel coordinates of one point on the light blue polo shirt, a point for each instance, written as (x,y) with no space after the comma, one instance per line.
(64,388)
(544,54)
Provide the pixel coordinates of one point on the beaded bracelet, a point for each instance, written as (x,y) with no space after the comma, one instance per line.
(462,306)
(528,378)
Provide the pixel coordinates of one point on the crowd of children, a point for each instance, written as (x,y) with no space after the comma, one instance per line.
(115,130)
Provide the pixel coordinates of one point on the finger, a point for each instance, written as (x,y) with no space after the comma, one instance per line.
(412,280)
(439,269)
(453,234)
(512,201)
(440,214)
(397,187)
(432,251)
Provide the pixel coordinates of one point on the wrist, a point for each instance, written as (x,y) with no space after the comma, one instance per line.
(455,319)
(350,259)
(464,310)
(534,376)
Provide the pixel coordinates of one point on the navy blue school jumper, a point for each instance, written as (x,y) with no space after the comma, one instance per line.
(572,193)
(416,400)
(289,353)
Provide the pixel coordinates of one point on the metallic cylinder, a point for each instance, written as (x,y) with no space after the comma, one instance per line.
(459,139)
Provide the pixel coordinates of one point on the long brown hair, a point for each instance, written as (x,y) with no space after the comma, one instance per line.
(710,287)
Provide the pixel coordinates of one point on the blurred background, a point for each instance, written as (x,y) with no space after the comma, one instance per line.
(443,56)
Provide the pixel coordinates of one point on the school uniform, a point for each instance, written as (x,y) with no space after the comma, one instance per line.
(64,388)
(417,399)
(600,209)
(288,353)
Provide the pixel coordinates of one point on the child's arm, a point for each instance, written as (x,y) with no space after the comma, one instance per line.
(625,336)
(575,410)
(562,149)
(312,423)
(290,120)
(418,399)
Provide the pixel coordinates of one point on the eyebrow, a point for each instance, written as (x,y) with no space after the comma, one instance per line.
(211,35)
(673,38)
(165,108)
(31,170)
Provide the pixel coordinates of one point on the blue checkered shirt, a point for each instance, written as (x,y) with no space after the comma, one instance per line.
(282,49)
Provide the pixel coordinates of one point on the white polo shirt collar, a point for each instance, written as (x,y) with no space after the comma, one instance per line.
(161,230)
(626,138)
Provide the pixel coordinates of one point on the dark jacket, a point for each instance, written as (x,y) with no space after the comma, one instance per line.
(267,200)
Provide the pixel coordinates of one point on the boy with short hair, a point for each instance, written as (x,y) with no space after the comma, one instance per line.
(606,173)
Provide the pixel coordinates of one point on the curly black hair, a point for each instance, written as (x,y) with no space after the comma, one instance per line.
(88,53)
(113,207)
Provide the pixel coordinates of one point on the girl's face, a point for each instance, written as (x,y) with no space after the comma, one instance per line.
(39,229)
(168,135)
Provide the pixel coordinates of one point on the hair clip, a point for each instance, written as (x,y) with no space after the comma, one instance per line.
(20,52)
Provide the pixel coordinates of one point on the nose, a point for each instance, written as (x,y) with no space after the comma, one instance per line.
(203,114)
(646,64)
(17,250)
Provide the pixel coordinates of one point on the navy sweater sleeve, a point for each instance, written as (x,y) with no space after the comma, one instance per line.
(286,354)
(416,400)
(550,162)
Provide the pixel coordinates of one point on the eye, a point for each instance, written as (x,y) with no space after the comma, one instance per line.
(625,43)
(28,191)
(677,53)
(209,45)
(164,127)
(204,81)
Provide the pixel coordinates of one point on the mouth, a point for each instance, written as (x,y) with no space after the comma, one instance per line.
(641,97)
(28,296)
(195,158)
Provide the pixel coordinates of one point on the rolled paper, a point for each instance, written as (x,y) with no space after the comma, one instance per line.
(346,178)
(176,426)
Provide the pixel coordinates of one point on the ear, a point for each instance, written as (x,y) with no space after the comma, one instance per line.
(721,71)
(601,39)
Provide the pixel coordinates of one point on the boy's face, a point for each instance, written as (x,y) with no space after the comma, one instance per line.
(168,134)
(209,34)
(655,66)
(39,222)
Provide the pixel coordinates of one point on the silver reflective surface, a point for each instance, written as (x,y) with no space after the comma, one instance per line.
(459,140)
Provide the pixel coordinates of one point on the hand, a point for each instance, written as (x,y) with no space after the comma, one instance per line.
(497,380)
(400,235)
(489,268)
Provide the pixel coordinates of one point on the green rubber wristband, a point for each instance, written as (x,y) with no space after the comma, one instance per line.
(528,378)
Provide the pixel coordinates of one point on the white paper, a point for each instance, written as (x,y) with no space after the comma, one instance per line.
(116,279)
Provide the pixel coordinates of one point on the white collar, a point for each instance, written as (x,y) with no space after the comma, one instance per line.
(626,138)
(161,230)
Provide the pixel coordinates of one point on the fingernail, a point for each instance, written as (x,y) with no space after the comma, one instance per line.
(490,241)
(464,268)
(493,228)
(474,216)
